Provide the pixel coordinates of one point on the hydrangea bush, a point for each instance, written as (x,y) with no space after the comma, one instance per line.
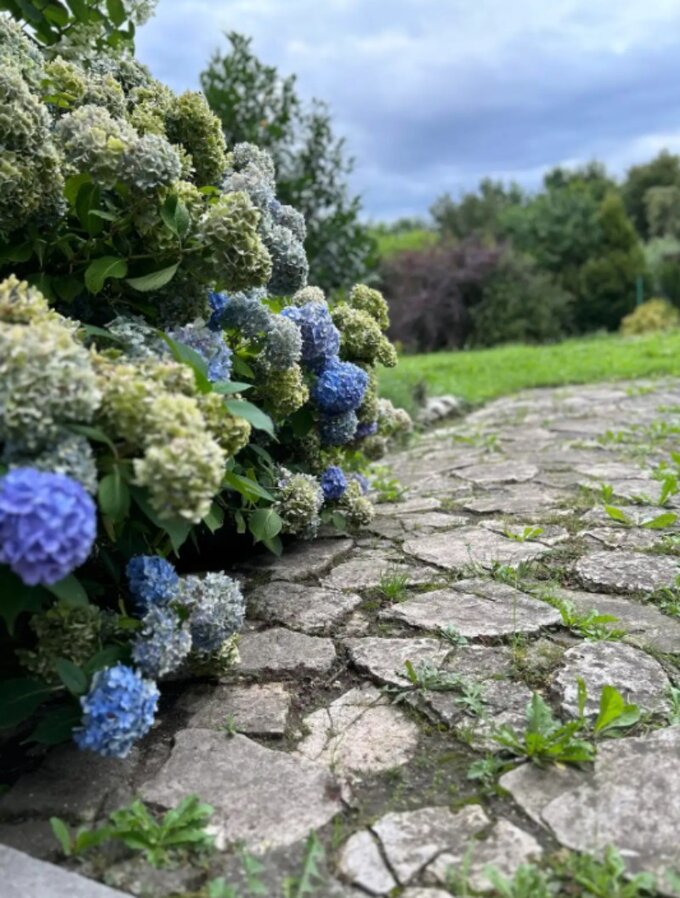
(166,372)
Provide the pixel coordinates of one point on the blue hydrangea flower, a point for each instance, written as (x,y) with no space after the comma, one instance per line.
(216,609)
(340,387)
(117,711)
(320,337)
(333,483)
(152,581)
(210,346)
(362,481)
(218,303)
(247,313)
(338,430)
(366,429)
(48,523)
(163,643)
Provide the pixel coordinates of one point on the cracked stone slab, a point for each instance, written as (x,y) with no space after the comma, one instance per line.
(644,624)
(360,862)
(472,545)
(367,571)
(385,658)
(425,893)
(412,839)
(505,704)
(360,732)
(261,797)
(626,571)
(499,472)
(23,875)
(633,539)
(533,787)
(525,499)
(476,608)
(606,472)
(638,677)
(505,848)
(279,651)
(631,802)
(255,709)
(304,559)
(311,609)
(409,506)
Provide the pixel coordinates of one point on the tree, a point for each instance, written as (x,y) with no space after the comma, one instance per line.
(257,105)
(662,171)
(592,178)
(662,207)
(607,279)
(477,213)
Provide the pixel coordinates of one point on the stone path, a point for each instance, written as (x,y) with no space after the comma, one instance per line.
(456,585)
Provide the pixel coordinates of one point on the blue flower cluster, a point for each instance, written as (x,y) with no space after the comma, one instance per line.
(163,644)
(117,711)
(152,581)
(245,312)
(366,429)
(216,609)
(48,523)
(218,303)
(363,482)
(210,345)
(338,430)
(333,483)
(340,387)
(320,337)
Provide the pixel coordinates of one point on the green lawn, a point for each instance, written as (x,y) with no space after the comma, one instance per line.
(481,374)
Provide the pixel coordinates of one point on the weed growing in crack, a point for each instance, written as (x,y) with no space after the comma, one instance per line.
(579,875)
(546,739)
(590,625)
(181,831)
(387,489)
(487,770)
(674,710)
(526,535)
(453,636)
(425,677)
(393,586)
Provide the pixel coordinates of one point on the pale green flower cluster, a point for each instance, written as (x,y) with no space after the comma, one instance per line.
(299,503)
(47,376)
(361,321)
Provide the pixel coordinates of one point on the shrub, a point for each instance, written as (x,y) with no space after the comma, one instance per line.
(653,315)
(151,279)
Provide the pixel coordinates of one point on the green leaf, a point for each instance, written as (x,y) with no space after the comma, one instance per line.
(93,433)
(72,186)
(69,591)
(177,529)
(155,280)
(190,357)
(72,676)
(100,270)
(215,518)
(264,524)
(275,546)
(116,11)
(249,488)
(582,696)
(175,216)
(616,514)
(241,408)
(62,834)
(88,199)
(19,699)
(226,387)
(107,657)
(661,521)
(114,496)
(241,367)
(68,287)
(18,598)
(57,725)
(614,711)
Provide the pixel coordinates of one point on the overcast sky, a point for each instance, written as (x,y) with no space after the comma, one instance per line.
(433,95)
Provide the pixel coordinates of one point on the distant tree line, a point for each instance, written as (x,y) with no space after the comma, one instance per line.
(509,265)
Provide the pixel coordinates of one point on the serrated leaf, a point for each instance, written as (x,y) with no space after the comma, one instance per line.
(188,356)
(114,496)
(249,488)
(69,591)
(19,698)
(72,676)
(101,270)
(155,280)
(241,408)
(215,518)
(116,11)
(17,598)
(265,524)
